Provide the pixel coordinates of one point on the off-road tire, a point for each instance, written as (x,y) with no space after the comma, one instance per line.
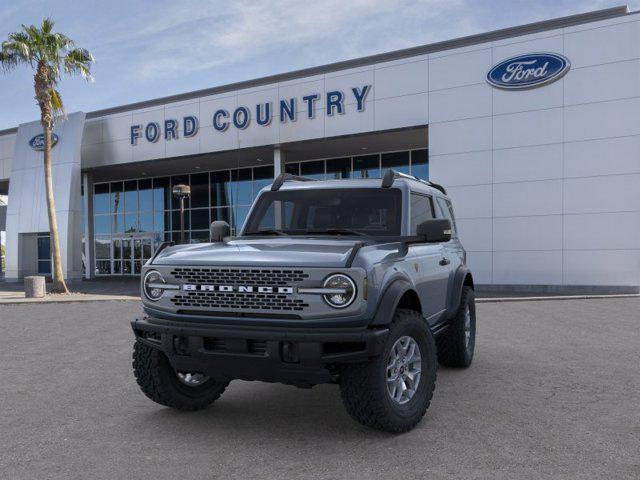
(452,348)
(363,386)
(158,381)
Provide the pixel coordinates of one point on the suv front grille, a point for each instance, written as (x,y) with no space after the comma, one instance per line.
(235,301)
(240,276)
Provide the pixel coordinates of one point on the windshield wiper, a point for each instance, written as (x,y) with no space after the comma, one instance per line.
(267,231)
(337,231)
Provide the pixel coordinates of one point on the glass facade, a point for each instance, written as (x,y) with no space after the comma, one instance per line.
(44,253)
(413,162)
(132,217)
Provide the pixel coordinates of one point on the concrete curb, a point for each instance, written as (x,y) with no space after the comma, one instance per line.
(69,299)
(553,298)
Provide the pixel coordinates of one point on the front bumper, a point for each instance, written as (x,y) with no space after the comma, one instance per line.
(301,357)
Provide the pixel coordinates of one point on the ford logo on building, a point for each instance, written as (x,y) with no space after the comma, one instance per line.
(528,71)
(37,142)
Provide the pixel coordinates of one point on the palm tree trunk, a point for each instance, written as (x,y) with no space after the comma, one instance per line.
(59,285)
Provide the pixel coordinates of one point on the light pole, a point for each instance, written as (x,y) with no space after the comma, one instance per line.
(181,192)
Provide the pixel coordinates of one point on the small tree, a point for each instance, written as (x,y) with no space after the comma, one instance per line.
(48,54)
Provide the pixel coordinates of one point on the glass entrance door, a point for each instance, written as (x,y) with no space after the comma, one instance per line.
(130,252)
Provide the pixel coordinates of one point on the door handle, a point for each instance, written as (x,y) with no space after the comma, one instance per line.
(444,261)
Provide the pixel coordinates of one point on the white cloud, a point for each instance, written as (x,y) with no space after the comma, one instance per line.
(203,35)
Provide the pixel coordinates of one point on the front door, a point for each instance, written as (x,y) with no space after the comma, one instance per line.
(130,252)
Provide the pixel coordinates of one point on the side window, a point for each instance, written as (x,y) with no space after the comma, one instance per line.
(421,210)
(447,212)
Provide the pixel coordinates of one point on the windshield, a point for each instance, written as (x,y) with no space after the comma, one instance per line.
(339,211)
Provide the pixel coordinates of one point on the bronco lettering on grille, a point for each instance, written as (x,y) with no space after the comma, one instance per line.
(237,288)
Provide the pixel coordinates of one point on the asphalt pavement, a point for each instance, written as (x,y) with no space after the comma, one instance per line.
(554,392)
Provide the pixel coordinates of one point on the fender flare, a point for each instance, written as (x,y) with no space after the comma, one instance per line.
(390,300)
(462,274)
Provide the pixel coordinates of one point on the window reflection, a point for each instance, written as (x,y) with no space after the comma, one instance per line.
(398,161)
(145,195)
(420,164)
(116,197)
(145,208)
(367,166)
(161,194)
(241,188)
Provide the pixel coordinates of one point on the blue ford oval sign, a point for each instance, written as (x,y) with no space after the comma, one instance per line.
(528,71)
(37,142)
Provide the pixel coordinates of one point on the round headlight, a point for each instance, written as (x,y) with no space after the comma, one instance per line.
(152,292)
(343,291)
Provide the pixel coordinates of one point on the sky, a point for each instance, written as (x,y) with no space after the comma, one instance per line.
(150,49)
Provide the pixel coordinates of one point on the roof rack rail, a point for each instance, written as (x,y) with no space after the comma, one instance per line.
(391,175)
(284,177)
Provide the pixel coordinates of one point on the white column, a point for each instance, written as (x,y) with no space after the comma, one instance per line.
(278,168)
(87,205)
(278,162)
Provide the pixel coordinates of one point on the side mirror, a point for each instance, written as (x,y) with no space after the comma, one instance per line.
(218,230)
(435,230)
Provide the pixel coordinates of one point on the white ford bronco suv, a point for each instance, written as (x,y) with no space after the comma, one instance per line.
(361,283)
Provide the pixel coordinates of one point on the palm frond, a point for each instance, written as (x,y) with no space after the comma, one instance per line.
(56,101)
(49,53)
(78,62)
(47,25)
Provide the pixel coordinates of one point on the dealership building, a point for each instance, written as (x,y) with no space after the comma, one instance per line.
(533,130)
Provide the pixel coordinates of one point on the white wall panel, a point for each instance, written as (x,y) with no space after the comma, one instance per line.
(613,193)
(476,234)
(345,83)
(119,151)
(509,101)
(145,150)
(92,155)
(4,171)
(116,127)
(480,264)
(603,45)
(182,146)
(459,69)
(528,233)
(459,103)
(528,128)
(397,112)
(602,267)
(352,121)
(471,201)
(210,105)
(302,129)
(301,89)
(602,231)
(602,157)
(540,162)
(531,268)
(601,120)
(460,136)
(599,83)
(402,79)
(256,135)
(92,132)
(527,198)
(471,168)
(212,140)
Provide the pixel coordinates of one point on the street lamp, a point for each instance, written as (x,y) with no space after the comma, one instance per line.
(181,192)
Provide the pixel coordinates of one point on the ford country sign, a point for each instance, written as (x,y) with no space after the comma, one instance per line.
(528,71)
(37,142)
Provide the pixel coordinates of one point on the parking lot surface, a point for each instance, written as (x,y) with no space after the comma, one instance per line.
(554,392)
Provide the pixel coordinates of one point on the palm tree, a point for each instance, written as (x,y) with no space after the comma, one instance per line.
(49,54)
